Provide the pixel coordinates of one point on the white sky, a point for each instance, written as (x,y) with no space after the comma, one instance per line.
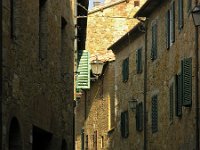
(91,3)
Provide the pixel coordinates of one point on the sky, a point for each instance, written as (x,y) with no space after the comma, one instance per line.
(91,3)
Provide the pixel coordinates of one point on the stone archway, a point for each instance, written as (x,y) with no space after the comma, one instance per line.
(15,141)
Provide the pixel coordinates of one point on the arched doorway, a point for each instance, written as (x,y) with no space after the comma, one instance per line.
(15,141)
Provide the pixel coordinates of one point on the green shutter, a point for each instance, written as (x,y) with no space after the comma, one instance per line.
(179,94)
(180,14)
(139,117)
(171,100)
(154,114)
(124,124)
(139,60)
(83,77)
(167,19)
(125,69)
(187,82)
(189,5)
(154,42)
(173,23)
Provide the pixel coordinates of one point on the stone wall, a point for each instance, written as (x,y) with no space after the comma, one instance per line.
(38,92)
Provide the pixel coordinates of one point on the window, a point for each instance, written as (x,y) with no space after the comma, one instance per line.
(187,81)
(154,42)
(82,139)
(179,91)
(180,14)
(95,140)
(154,114)
(14,18)
(167,20)
(102,142)
(86,142)
(189,5)
(125,70)
(171,102)
(124,124)
(172,24)
(43,30)
(139,117)
(139,60)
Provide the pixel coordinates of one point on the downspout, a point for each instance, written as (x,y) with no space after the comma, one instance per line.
(145,87)
(1,74)
(197,81)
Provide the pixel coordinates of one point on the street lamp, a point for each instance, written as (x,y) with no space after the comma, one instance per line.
(97,67)
(196,15)
(133,104)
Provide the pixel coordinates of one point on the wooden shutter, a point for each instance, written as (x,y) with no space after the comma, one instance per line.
(187,81)
(83,77)
(171,101)
(154,42)
(82,139)
(173,23)
(167,19)
(139,60)
(180,14)
(125,69)
(154,114)
(124,124)
(139,117)
(179,92)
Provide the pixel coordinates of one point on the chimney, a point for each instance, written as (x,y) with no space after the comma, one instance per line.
(96,3)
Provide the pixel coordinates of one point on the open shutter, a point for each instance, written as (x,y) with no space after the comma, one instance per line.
(83,77)
(167,19)
(139,60)
(154,42)
(173,22)
(82,139)
(139,117)
(180,14)
(179,92)
(154,114)
(187,82)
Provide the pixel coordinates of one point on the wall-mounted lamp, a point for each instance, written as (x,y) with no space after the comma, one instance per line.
(97,67)
(196,15)
(133,104)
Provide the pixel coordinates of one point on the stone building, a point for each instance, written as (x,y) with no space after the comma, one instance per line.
(94,117)
(37,79)
(167,86)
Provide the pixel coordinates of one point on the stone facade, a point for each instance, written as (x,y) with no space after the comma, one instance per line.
(38,91)
(175,132)
(108,22)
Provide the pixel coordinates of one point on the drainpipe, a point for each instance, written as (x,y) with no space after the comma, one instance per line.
(197,81)
(1,74)
(145,87)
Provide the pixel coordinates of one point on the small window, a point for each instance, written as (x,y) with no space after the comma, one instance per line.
(124,124)
(102,142)
(172,24)
(154,114)
(82,139)
(154,42)
(125,70)
(86,142)
(180,14)
(136,3)
(139,60)
(139,117)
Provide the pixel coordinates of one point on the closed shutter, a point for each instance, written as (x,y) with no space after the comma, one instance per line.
(124,124)
(83,77)
(167,19)
(154,42)
(172,23)
(139,117)
(154,114)
(125,70)
(180,14)
(179,92)
(187,81)
(171,100)
(139,60)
